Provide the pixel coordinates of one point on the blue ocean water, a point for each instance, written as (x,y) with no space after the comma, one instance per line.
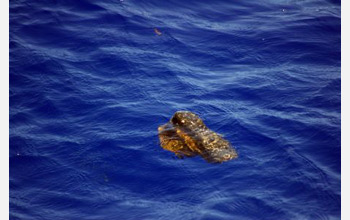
(90,82)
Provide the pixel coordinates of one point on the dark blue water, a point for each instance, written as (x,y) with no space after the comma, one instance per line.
(90,82)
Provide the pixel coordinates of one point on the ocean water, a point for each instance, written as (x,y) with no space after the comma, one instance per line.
(90,82)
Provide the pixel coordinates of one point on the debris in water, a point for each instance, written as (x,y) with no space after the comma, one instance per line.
(157,32)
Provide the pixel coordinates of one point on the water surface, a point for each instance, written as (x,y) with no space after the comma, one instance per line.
(90,82)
